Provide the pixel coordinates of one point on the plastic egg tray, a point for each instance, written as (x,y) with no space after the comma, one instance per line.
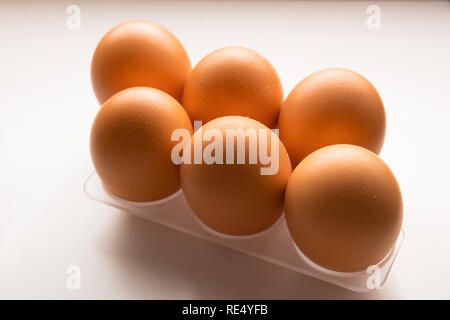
(273,245)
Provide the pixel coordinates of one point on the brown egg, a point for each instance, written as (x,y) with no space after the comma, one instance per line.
(328,107)
(139,53)
(237,198)
(234,81)
(131,143)
(344,208)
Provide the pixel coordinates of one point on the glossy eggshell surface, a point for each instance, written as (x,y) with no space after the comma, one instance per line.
(131,143)
(234,81)
(139,53)
(236,199)
(332,106)
(344,208)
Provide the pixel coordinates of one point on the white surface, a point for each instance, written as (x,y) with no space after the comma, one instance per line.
(47,107)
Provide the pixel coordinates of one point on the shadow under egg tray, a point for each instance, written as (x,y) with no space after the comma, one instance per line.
(273,245)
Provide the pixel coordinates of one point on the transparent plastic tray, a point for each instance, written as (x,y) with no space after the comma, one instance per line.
(273,245)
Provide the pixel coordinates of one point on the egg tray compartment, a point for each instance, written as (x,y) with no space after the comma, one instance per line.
(273,245)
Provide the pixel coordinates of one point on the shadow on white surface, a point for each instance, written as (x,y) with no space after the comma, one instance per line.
(144,251)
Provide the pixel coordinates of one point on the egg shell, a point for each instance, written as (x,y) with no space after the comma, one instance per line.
(344,208)
(236,199)
(139,53)
(234,81)
(131,143)
(332,106)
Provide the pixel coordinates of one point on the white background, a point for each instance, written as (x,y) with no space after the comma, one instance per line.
(47,106)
